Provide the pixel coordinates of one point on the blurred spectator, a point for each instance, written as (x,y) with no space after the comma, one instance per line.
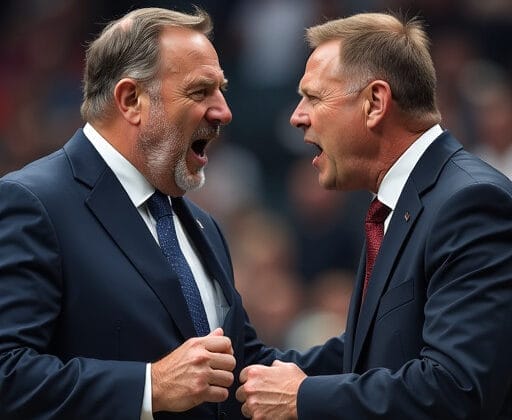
(311,329)
(41,58)
(234,183)
(264,262)
(453,47)
(326,310)
(326,224)
(488,88)
(330,292)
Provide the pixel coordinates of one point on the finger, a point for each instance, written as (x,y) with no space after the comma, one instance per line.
(245,412)
(251,370)
(240,394)
(278,363)
(218,344)
(221,378)
(216,332)
(216,394)
(223,361)
(220,332)
(244,374)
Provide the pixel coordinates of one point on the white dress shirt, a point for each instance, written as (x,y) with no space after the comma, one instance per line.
(139,190)
(394,181)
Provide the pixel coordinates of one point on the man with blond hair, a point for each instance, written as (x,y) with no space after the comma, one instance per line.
(429,326)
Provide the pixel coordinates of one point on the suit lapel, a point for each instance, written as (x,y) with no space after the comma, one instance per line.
(115,212)
(197,233)
(353,313)
(405,216)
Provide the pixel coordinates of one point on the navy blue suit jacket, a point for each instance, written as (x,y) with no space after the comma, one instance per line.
(87,298)
(433,339)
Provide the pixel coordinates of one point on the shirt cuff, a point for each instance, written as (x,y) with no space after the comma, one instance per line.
(147,408)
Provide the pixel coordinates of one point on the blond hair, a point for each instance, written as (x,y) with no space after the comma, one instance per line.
(129,47)
(383,46)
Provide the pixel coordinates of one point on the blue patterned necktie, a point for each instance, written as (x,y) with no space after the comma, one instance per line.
(160,209)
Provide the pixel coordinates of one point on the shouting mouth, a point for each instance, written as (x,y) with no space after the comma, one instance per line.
(318,149)
(197,151)
(199,147)
(203,137)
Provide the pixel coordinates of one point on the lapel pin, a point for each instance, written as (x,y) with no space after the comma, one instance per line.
(407,216)
(199,223)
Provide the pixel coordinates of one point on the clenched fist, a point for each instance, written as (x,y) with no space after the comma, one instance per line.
(198,371)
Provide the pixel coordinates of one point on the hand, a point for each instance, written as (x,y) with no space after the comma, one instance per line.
(270,392)
(200,370)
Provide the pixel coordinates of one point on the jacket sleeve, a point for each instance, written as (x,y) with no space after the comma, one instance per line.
(464,369)
(34,383)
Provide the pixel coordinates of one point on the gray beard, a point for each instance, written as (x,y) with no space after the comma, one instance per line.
(160,145)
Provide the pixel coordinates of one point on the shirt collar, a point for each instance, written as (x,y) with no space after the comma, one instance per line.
(136,186)
(395,179)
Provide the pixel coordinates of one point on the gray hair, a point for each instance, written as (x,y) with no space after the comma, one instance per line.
(382,46)
(129,47)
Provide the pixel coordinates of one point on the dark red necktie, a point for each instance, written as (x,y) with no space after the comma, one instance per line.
(374,226)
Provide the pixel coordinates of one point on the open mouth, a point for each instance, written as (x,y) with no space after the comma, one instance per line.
(318,149)
(199,147)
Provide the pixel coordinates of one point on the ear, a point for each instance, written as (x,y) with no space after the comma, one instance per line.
(127,95)
(377,102)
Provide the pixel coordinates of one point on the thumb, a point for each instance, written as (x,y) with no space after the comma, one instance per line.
(217,332)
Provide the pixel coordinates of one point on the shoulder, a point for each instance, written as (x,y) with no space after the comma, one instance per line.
(40,176)
(467,175)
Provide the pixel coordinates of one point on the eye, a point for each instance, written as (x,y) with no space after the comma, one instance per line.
(199,94)
(312,98)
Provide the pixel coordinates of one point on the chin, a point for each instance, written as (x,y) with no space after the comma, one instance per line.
(327,184)
(191,182)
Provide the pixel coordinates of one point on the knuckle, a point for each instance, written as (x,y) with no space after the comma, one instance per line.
(199,358)
(252,371)
(251,404)
(199,384)
(249,388)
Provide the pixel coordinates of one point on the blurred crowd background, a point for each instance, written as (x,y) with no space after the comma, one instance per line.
(295,247)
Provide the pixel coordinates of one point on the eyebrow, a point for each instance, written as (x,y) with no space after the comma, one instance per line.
(306,91)
(208,82)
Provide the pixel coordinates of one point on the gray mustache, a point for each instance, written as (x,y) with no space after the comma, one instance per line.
(207,132)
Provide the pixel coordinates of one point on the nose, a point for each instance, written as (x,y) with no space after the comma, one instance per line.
(299,117)
(219,112)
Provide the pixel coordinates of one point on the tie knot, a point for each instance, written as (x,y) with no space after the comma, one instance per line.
(159,205)
(377,212)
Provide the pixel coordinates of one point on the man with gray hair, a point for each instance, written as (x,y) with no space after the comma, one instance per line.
(429,326)
(117,297)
